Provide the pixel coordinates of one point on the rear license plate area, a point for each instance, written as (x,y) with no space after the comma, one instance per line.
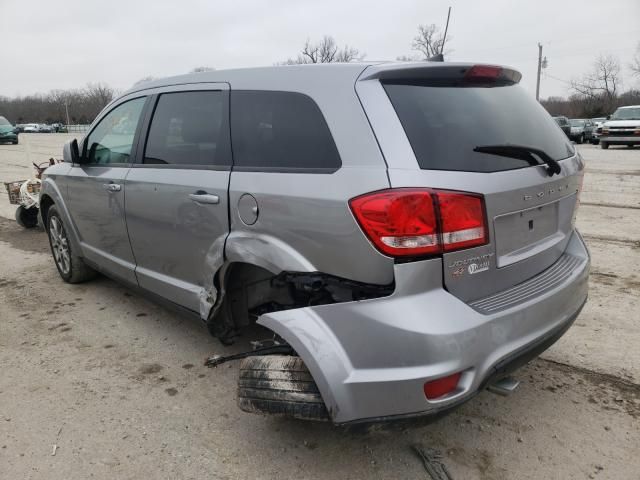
(519,235)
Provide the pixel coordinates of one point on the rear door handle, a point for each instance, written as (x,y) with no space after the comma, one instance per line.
(112,187)
(205,198)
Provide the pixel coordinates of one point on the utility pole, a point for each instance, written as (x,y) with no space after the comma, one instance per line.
(66,106)
(539,71)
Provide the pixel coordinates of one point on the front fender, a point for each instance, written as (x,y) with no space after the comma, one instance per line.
(50,188)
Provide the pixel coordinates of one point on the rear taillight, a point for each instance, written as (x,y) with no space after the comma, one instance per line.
(409,222)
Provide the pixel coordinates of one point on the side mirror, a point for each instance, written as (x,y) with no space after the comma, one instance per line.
(71,152)
(608,117)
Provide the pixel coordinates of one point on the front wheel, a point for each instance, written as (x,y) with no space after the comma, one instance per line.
(70,266)
(604,145)
(580,140)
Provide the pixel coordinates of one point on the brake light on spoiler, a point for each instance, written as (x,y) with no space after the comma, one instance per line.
(411,222)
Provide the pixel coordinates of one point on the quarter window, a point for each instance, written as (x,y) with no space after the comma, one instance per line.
(111,140)
(280,130)
(189,128)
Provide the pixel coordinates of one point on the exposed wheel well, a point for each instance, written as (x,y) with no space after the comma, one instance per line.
(249,291)
(45,203)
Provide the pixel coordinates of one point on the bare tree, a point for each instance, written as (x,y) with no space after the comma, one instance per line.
(202,69)
(408,58)
(325,51)
(146,79)
(430,41)
(603,81)
(635,62)
(100,93)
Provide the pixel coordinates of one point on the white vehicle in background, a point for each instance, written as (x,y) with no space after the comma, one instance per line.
(622,128)
(31,128)
(597,129)
(44,128)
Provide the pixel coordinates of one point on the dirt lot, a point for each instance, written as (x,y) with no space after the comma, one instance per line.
(115,385)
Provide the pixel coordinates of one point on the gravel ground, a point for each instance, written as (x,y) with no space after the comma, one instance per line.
(98,382)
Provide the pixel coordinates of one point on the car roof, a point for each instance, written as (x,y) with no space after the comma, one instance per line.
(257,74)
(629,106)
(287,75)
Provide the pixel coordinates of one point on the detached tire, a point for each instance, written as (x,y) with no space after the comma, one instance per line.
(279,385)
(70,266)
(27,217)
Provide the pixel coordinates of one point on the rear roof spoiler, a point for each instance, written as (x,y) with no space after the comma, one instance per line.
(435,71)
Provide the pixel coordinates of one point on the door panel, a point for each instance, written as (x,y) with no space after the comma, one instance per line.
(97,209)
(96,189)
(171,234)
(177,200)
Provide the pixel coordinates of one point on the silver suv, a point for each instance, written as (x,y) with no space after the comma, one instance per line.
(402,234)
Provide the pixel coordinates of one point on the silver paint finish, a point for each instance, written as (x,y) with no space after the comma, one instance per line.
(371,358)
(308,214)
(248,209)
(98,213)
(175,230)
(171,234)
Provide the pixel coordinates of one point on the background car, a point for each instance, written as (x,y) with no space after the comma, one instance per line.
(563,123)
(8,133)
(581,130)
(622,128)
(44,128)
(597,129)
(31,128)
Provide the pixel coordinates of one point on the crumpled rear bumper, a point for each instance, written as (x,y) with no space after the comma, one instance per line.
(371,358)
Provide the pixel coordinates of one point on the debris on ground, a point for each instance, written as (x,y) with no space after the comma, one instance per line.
(432,464)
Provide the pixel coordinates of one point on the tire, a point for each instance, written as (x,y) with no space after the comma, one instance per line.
(70,266)
(27,217)
(604,145)
(279,385)
(15,142)
(580,140)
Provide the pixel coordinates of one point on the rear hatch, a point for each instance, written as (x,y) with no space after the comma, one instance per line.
(459,125)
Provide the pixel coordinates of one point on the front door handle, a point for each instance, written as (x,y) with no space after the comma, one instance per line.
(112,187)
(205,198)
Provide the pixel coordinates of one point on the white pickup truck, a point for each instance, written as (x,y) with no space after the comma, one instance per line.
(622,128)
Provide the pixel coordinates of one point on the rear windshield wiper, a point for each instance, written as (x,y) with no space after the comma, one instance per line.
(523,153)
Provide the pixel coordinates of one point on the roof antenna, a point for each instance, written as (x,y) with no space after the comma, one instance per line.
(439,57)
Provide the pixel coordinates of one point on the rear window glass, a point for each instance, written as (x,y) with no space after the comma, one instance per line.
(280,130)
(444,124)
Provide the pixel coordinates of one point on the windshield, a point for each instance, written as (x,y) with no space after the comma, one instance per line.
(626,114)
(445,123)
(4,122)
(577,123)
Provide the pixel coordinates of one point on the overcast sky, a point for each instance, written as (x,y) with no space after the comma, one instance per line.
(54,44)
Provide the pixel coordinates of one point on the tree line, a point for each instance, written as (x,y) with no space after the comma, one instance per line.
(598,92)
(82,105)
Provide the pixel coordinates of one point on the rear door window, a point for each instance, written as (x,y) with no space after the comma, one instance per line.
(445,123)
(190,129)
(280,131)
